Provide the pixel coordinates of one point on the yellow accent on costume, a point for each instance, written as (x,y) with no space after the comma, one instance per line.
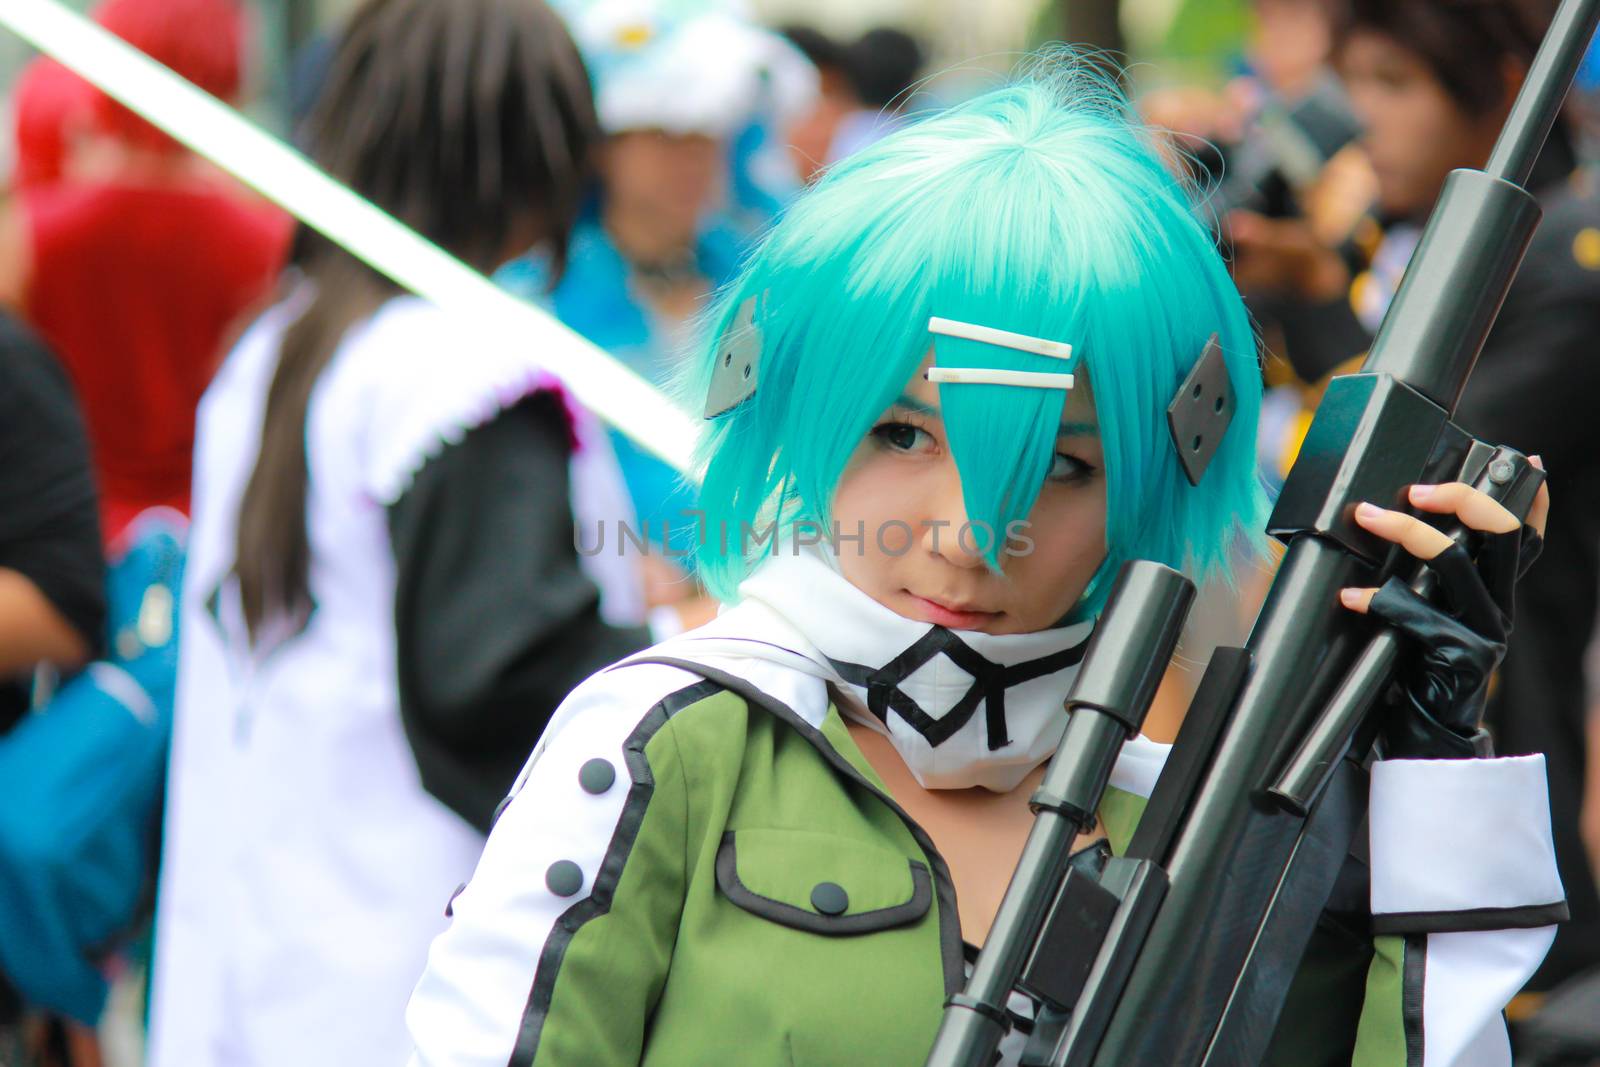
(1586,248)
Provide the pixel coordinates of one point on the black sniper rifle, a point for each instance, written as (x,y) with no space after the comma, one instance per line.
(1182,951)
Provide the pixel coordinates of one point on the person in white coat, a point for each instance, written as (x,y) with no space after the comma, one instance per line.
(384,601)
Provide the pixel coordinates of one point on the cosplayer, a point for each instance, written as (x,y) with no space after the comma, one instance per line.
(677,89)
(383,603)
(773,839)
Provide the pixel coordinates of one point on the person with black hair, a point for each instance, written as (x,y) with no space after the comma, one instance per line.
(1432,84)
(52,574)
(810,136)
(882,66)
(383,601)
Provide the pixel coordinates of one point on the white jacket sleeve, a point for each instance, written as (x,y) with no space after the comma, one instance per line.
(527,972)
(1465,898)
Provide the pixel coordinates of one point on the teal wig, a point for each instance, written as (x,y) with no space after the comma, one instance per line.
(1042,209)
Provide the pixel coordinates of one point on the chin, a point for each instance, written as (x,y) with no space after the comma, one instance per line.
(1400,204)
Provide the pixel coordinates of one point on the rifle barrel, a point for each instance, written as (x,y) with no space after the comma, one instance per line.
(1543,90)
(1207,948)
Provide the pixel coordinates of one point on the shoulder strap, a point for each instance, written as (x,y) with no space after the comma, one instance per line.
(732,683)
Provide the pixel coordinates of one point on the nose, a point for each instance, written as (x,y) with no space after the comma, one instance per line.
(947,532)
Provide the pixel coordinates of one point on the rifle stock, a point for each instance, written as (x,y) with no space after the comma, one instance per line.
(1109,698)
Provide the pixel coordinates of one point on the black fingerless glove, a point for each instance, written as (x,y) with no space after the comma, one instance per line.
(1452,648)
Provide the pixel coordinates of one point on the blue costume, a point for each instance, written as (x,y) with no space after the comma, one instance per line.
(597,298)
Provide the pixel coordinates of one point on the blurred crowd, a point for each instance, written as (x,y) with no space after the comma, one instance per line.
(288,577)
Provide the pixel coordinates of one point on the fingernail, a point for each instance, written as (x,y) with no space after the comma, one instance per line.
(1421,492)
(1368,511)
(1349,597)
(1537,462)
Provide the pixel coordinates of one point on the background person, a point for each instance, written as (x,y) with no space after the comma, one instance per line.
(140,259)
(882,66)
(52,574)
(810,135)
(383,601)
(655,238)
(51,114)
(1432,85)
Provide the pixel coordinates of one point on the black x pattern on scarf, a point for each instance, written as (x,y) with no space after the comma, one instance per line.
(989,684)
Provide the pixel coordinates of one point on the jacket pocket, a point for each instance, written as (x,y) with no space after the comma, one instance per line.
(820,882)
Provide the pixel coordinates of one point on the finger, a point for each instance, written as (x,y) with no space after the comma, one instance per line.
(1357,600)
(1500,565)
(1407,531)
(1482,601)
(1476,509)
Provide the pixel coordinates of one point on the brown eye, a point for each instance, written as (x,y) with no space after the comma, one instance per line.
(900,436)
(1068,468)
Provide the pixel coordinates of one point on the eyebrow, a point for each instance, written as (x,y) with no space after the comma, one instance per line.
(1066,429)
(911,403)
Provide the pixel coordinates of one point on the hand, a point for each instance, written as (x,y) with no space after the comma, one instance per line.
(33,630)
(1455,647)
(1190,114)
(1283,255)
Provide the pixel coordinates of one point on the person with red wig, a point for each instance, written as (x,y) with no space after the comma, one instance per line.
(133,258)
(50,108)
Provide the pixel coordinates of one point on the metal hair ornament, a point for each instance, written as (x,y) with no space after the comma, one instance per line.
(1021,342)
(733,379)
(1201,411)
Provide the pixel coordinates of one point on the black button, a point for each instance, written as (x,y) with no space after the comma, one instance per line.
(830,899)
(564,878)
(596,776)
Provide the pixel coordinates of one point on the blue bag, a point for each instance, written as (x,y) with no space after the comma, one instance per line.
(81,781)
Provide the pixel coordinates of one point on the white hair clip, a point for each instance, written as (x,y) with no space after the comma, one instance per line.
(994,376)
(1021,342)
(971,331)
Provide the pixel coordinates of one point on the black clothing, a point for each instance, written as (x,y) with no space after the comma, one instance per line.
(495,620)
(1535,388)
(49,514)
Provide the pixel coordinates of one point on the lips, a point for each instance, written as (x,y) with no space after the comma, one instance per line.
(953,615)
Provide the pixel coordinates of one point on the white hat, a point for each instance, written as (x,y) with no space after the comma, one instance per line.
(686,67)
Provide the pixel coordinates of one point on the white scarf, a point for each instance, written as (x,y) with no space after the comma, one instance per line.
(962,708)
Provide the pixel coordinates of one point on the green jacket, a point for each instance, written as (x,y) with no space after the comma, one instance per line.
(688,877)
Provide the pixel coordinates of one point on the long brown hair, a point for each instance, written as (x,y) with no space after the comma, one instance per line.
(472,122)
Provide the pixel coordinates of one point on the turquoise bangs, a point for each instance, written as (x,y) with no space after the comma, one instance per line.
(1039,209)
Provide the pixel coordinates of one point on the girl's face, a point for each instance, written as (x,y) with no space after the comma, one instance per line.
(921,559)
